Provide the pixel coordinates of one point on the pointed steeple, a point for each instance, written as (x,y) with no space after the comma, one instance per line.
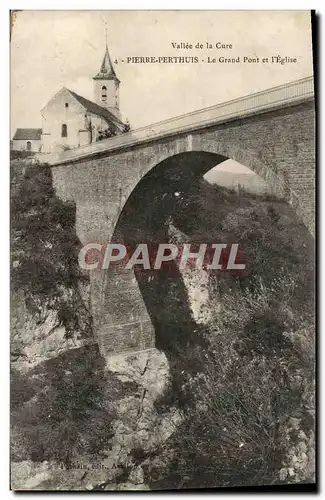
(106,71)
(106,85)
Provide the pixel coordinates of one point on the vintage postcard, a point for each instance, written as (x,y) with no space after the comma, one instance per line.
(162,171)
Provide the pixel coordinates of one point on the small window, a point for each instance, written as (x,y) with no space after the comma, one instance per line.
(104,93)
(64,130)
(28,145)
(66,104)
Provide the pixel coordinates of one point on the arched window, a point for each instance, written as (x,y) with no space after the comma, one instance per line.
(28,146)
(104,93)
(64,130)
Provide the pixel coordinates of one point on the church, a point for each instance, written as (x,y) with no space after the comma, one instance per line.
(69,120)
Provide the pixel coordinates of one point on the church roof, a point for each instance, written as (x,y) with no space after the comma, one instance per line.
(92,107)
(25,134)
(106,71)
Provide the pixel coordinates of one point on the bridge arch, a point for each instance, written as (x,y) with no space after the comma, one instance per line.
(271,133)
(131,316)
(195,163)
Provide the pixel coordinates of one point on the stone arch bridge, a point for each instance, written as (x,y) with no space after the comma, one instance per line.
(271,132)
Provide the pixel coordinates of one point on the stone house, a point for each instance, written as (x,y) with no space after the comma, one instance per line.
(27,139)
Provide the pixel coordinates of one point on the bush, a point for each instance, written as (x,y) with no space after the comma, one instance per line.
(105,134)
(44,250)
(63,411)
(248,407)
(256,379)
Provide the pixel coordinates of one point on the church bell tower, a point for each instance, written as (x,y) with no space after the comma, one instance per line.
(106,86)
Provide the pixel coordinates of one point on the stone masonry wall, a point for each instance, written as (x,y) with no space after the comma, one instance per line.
(278,145)
(280,142)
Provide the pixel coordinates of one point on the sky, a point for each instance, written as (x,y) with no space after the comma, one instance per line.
(52,49)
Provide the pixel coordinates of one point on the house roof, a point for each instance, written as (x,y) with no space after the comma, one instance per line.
(25,134)
(106,71)
(92,107)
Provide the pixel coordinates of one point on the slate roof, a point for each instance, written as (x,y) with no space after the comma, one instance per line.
(106,71)
(25,134)
(92,107)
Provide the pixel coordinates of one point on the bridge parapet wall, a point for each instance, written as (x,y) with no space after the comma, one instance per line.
(289,94)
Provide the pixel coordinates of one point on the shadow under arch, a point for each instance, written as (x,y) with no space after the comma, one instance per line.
(146,218)
(152,306)
(175,173)
(213,153)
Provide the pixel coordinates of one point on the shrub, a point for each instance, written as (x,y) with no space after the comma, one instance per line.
(63,411)
(44,250)
(105,134)
(256,379)
(248,411)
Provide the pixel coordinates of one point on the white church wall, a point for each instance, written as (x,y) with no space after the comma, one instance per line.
(84,137)
(98,123)
(65,121)
(62,110)
(21,145)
